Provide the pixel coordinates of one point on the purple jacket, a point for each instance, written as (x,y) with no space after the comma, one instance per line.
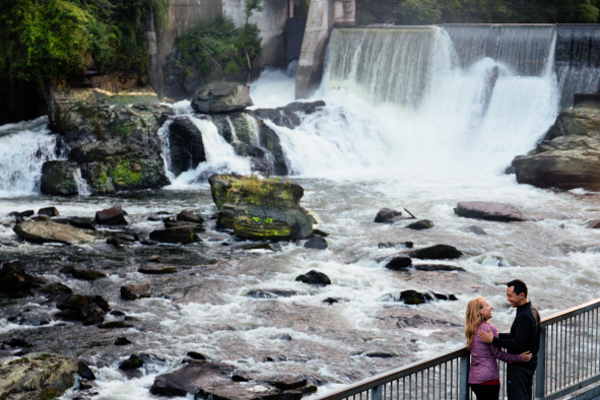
(483,357)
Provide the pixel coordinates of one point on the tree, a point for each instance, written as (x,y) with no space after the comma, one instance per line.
(252,6)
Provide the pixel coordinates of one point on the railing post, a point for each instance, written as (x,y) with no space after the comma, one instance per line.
(463,389)
(377,393)
(540,371)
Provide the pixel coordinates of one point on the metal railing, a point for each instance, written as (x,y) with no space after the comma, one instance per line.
(568,360)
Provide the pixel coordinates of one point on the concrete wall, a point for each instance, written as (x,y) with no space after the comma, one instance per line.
(271,22)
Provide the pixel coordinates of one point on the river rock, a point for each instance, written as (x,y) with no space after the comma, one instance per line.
(189,217)
(85,275)
(43,231)
(186,149)
(388,216)
(271,293)
(437,267)
(84,371)
(135,291)
(489,211)
(219,97)
(291,115)
(49,211)
(413,297)
(399,263)
(474,229)
(593,224)
(81,223)
(261,209)
(317,242)
(157,269)
(568,156)
(89,309)
(15,282)
(58,178)
(183,234)
(111,216)
(314,278)
(133,362)
(37,376)
(122,341)
(190,378)
(421,225)
(437,252)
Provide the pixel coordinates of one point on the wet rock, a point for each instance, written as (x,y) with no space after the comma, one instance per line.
(115,325)
(593,224)
(186,149)
(120,239)
(318,232)
(316,242)
(421,225)
(196,356)
(291,115)
(157,269)
(37,376)
(271,293)
(16,342)
(489,211)
(177,234)
(189,217)
(56,291)
(84,371)
(241,377)
(314,278)
(87,275)
(43,231)
(413,297)
(399,263)
(159,216)
(111,216)
(474,229)
(58,178)
(122,341)
(567,157)
(135,291)
(333,300)
(437,267)
(287,382)
(285,336)
(388,216)
(416,321)
(255,246)
(389,245)
(21,214)
(81,223)
(134,362)
(437,252)
(229,390)
(15,282)
(379,354)
(190,378)
(49,211)
(269,140)
(89,309)
(222,97)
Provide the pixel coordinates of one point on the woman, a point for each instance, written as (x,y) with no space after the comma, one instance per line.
(483,376)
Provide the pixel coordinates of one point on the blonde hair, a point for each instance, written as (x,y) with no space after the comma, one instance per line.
(473,319)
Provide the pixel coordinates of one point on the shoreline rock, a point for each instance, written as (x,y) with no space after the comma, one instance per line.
(490,211)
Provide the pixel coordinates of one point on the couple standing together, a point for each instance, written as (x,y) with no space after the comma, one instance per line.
(521,344)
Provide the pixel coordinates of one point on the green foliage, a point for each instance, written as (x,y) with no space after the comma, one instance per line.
(219,49)
(477,11)
(251,6)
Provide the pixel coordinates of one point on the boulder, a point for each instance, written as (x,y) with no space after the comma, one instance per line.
(474,229)
(49,211)
(421,225)
(314,278)
(261,209)
(111,216)
(135,291)
(87,275)
(317,242)
(388,216)
(84,371)
(133,362)
(190,378)
(490,211)
(399,263)
(222,97)
(58,178)
(183,234)
(37,376)
(413,297)
(291,115)
(15,282)
(43,231)
(189,217)
(89,309)
(568,155)
(157,269)
(437,252)
(186,149)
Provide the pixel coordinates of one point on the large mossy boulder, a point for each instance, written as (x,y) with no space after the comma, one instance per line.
(58,178)
(220,97)
(568,156)
(47,231)
(117,147)
(261,209)
(37,376)
(186,149)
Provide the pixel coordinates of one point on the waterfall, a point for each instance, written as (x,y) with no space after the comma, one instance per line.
(24,147)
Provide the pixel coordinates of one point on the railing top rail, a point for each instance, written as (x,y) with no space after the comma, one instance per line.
(428,363)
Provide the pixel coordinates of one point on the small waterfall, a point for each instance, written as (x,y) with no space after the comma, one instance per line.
(83,189)
(24,148)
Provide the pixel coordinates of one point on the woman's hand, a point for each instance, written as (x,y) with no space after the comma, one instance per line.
(526,356)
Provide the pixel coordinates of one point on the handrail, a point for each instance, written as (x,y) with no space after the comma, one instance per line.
(557,335)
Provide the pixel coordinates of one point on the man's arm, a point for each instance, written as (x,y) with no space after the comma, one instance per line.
(516,344)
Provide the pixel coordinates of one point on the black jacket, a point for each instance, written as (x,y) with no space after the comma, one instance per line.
(524,333)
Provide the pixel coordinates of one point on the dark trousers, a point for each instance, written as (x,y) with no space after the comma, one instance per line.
(519,381)
(486,392)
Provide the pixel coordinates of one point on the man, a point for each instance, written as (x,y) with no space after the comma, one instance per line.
(524,336)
